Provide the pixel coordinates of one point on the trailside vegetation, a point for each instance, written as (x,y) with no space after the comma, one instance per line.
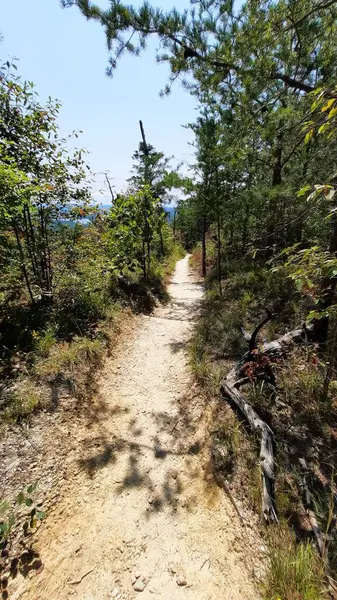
(67,267)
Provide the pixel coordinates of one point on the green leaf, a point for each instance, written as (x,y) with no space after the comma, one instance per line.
(323,127)
(328,104)
(4,507)
(303,190)
(315,104)
(332,113)
(41,515)
(308,136)
(29,502)
(11,521)
(21,498)
(3,528)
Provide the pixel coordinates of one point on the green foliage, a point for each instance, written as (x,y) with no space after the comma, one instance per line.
(61,286)
(67,357)
(24,514)
(266,125)
(40,180)
(9,514)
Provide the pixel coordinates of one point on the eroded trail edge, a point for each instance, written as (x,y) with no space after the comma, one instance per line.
(141,514)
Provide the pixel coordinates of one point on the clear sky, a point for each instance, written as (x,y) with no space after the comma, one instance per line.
(65,56)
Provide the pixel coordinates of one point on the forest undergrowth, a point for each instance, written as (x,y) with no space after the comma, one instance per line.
(298,406)
(63,348)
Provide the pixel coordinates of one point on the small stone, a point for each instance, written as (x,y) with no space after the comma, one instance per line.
(115,593)
(174,473)
(181,581)
(137,574)
(139,585)
(257,574)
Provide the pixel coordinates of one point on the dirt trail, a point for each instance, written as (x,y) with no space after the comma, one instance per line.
(143,512)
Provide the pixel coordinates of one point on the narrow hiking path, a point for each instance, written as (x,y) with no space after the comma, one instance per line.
(142,515)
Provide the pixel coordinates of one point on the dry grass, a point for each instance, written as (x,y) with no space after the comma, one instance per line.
(66,358)
(71,366)
(23,400)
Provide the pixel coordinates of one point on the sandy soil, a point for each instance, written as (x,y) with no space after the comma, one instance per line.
(141,513)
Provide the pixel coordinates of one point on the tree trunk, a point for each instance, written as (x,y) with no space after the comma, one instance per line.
(204,269)
(47,284)
(23,264)
(144,260)
(162,249)
(273,203)
(148,244)
(30,243)
(219,254)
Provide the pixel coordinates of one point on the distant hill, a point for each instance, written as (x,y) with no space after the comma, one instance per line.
(169,209)
(104,208)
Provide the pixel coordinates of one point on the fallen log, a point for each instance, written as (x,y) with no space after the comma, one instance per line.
(229,388)
(280,345)
(266,453)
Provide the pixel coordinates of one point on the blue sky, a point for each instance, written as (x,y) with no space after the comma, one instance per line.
(65,56)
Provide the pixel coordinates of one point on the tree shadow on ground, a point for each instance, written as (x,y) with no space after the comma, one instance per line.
(182,310)
(24,563)
(176,436)
(177,346)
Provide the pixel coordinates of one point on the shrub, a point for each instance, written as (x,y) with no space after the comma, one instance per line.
(44,342)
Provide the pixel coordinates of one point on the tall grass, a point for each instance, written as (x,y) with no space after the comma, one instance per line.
(295,570)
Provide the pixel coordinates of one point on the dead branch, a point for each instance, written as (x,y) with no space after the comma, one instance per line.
(252,341)
(229,389)
(77,581)
(234,504)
